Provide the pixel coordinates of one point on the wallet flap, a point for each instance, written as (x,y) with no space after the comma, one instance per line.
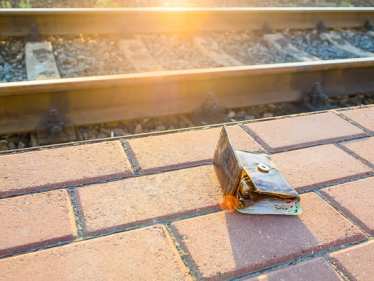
(226,164)
(265,177)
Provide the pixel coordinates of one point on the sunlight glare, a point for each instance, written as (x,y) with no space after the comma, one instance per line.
(177,3)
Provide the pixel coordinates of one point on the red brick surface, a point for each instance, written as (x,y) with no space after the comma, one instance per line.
(224,243)
(314,270)
(357,199)
(35,220)
(363,116)
(303,130)
(178,187)
(185,147)
(149,197)
(145,254)
(364,148)
(61,166)
(317,165)
(356,262)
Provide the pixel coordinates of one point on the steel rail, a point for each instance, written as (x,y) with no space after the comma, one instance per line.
(21,22)
(27,106)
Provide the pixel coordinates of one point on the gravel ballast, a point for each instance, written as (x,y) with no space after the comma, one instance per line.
(12,60)
(311,43)
(92,55)
(89,55)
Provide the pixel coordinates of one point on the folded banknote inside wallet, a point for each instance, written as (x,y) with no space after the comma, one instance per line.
(253,181)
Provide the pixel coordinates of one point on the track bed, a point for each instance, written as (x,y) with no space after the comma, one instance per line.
(93,75)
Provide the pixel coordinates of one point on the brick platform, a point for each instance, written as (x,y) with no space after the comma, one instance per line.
(147,208)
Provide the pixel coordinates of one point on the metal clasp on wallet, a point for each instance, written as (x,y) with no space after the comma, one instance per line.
(253,180)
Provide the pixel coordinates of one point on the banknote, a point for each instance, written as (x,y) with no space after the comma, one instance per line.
(252,202)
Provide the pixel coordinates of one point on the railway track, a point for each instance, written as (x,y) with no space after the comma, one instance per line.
(190,3)
(149,89)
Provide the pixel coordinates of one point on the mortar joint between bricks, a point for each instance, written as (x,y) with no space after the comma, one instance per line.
(148,223)
(349,217)
(183,252)
(355,155)
(267,149)
(339,271)
(330,183)
(131,157)
(35,249)
(298,260)
(352,122)
(78,213)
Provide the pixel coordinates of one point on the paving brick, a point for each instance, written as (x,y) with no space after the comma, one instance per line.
(35,220)
(145,254)
(224,244)
(186,147)
(302,131)
(363,148)
(357,199)
(356,262)
(63,166)
(314,270)
(150,197)
(317,165)
(362,116)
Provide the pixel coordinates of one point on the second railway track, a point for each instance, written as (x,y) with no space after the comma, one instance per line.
(150,88)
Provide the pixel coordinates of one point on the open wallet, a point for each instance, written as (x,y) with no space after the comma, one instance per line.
(254,181)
